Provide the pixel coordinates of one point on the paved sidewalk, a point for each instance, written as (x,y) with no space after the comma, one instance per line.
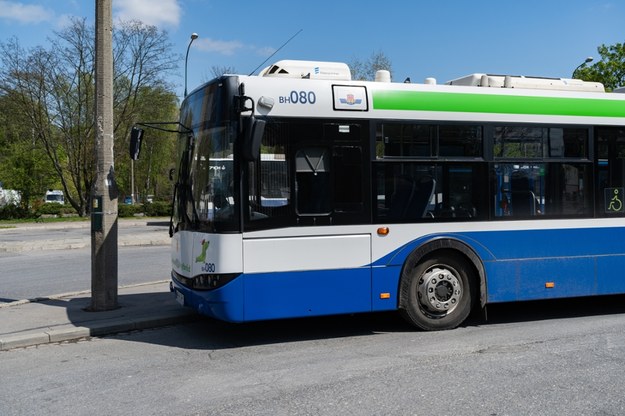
(64,318)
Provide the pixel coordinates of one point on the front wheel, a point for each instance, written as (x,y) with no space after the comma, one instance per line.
(437,293)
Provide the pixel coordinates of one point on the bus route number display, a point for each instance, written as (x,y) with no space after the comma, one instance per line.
(298,97)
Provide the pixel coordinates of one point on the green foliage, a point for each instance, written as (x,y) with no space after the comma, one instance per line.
(150,209)
(158,150)
(24,166)
(51,91)
(157,209)
(13,212)
(54,208)
(610,70)
(126,211)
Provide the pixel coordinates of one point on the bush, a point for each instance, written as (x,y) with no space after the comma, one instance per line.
(13,212)
(55,209)
(157,209)
(125,211)
(52,208)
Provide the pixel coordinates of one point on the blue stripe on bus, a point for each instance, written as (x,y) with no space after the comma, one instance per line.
(520,263)
(525,244)
(307,293)
(261,296)
(518,266)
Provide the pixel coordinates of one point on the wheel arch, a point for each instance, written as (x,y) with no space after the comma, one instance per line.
(447,244)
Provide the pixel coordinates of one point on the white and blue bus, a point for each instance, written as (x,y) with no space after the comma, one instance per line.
(344,196)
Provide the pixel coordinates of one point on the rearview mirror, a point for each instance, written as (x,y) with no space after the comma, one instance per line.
(136,137)
(253,131)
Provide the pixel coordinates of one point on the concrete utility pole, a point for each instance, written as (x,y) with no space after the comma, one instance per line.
(104,192)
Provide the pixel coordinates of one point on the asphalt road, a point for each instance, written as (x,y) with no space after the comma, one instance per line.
(534,358)
(530,359)
(39,260)
(41,273)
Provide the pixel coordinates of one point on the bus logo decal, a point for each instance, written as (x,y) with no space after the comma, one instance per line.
(348,98)
(202,257)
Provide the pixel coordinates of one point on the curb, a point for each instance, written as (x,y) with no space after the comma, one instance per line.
(68,332)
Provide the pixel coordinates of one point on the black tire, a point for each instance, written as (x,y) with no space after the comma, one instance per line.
(438,292)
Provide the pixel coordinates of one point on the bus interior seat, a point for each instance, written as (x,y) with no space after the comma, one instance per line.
(423,196)
(411,198)
(403,194)
(523,199)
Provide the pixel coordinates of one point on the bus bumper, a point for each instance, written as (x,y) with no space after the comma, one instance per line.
(224,303)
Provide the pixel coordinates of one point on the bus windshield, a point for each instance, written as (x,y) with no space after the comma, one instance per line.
(212,182)
(205,194)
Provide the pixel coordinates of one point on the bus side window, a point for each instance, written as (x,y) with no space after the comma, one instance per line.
(519,189)
(312,177)
(411,197)
(610,181)
(348,179)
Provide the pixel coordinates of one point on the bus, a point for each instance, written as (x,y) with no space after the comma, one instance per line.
(300,192)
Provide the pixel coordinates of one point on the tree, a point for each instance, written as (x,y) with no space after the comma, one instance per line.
(23,165)
(152,169)
(218,71)
(365,70)
(54,88)
(610,70)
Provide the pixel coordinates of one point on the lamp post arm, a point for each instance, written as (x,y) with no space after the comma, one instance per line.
(587,60)
(194,36)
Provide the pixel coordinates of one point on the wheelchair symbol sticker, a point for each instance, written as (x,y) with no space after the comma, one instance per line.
(614,200)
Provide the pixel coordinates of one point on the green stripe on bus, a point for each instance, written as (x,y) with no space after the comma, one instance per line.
(502,104)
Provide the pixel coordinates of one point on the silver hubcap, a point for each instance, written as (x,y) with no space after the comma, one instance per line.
(440,290)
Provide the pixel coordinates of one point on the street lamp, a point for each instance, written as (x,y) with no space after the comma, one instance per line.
(587,60)
(194,36)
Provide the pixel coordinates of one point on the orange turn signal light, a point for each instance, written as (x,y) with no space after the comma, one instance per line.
(383,231)
(550,285)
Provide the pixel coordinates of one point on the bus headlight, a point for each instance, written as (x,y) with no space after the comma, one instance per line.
(211,281)
(204,281)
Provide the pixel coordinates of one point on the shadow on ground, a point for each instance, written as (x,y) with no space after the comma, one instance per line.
(205,333)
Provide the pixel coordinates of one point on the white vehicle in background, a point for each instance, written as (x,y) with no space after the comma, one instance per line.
(54,195)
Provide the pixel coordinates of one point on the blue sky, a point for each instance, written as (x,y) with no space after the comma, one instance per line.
(443,39)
